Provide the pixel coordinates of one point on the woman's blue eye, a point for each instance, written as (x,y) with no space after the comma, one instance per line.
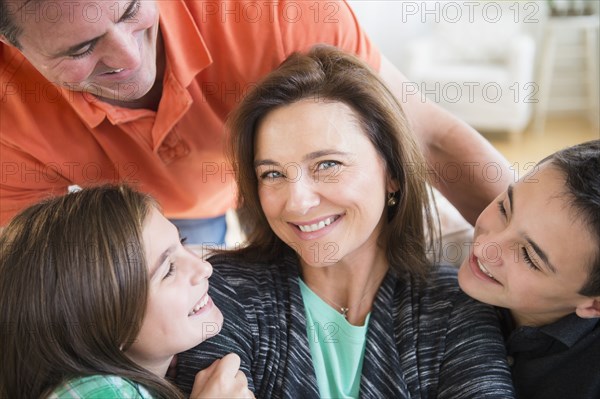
(270,175)
(327,165)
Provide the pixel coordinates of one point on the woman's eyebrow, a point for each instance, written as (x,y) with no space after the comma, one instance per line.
(265,162)
(307,157)
(322,153)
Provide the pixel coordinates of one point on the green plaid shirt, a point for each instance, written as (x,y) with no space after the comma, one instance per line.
(100,387)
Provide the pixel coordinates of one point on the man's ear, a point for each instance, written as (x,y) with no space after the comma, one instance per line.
(589,309)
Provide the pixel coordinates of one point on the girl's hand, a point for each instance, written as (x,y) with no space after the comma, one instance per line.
(222,379)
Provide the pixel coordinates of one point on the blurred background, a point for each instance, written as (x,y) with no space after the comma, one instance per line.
(523,73)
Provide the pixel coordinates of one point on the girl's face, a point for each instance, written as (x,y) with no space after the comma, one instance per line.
(531,252)
(322,185)
(179,314)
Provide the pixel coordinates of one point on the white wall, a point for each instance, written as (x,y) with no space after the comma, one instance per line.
(392,24)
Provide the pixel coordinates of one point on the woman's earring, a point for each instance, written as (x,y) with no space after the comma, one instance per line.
(391,199)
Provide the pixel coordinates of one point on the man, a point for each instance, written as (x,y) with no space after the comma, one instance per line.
(139,90)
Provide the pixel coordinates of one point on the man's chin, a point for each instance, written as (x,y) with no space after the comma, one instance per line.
(121,93)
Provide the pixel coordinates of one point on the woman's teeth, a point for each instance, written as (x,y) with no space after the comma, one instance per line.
(116,71)
(199,305)
(317,226)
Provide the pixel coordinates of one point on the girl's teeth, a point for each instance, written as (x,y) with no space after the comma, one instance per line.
(316,226)
(484,270)
(199,306)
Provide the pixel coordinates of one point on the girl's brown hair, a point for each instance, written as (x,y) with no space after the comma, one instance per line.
(73,291)
(326,73)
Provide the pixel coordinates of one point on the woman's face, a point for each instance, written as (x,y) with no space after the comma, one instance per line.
(531,252)
(321,183)
(179,313)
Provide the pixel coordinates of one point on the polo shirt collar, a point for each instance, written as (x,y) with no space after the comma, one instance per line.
(570,329)
(186,55)
(185,49)
(85,106)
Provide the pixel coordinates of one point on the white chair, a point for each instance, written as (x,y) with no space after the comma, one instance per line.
(482,71)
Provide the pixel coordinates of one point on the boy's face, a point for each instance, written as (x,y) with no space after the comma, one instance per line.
(531,251)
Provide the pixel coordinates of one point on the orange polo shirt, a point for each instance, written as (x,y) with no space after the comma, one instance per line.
(51,138)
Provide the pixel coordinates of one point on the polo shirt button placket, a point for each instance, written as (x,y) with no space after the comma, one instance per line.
(172,148)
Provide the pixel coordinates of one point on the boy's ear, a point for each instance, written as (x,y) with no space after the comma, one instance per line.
(589,309)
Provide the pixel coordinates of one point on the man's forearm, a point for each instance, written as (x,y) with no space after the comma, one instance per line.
(466,168)
(462,165)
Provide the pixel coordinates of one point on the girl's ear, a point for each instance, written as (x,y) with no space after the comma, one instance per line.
(589,309)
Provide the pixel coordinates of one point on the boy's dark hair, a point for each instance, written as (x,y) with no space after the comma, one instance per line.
(581,166)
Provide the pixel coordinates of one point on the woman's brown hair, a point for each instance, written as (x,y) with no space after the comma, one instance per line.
(328,74)
(73,291)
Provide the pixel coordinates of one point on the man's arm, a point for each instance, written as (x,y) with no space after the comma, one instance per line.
(464,166)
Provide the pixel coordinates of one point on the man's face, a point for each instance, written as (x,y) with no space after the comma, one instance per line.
(104,47)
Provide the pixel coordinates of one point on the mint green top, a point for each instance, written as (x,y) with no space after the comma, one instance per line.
(336,346)
(100,387)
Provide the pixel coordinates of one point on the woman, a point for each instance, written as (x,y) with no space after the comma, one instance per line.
(334,296)
(536,257)
(96,296)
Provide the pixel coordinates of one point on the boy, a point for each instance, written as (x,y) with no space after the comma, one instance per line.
(536,255)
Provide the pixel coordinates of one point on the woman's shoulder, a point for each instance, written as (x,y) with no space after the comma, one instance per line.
(442,280)
(241,283)
(99,387)
(238,270)
(440,292)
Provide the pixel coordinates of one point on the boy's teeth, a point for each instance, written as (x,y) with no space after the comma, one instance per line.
(309,228)
(199,306)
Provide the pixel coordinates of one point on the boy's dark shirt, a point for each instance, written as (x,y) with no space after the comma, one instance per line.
(557,361)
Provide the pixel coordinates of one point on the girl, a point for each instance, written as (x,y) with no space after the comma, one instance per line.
(97,295)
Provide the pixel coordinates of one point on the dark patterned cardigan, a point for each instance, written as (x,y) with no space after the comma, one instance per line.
(423,341)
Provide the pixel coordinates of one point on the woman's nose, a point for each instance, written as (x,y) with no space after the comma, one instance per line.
(302,196)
